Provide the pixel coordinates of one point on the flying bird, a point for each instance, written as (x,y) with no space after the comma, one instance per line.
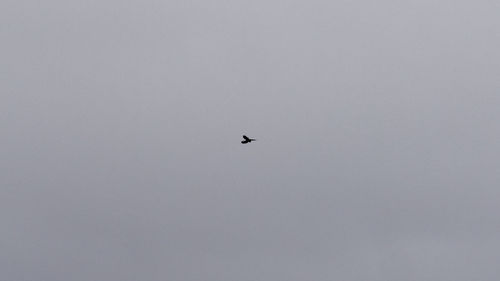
(246,140)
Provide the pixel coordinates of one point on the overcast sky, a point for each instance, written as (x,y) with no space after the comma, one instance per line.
(378,152)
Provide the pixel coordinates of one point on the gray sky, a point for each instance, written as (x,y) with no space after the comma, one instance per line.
(377,158)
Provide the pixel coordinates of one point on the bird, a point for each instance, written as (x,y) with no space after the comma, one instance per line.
(247,140)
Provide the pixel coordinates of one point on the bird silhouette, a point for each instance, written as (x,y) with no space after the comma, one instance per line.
(247,140)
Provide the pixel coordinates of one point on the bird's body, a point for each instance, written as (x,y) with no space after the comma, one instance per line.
(247,140)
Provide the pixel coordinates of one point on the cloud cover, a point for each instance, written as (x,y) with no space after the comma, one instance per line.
(378,128)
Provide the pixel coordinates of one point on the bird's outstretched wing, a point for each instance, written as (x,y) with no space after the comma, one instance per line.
(246,138)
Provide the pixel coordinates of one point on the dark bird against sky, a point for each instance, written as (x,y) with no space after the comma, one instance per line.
(246,140)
